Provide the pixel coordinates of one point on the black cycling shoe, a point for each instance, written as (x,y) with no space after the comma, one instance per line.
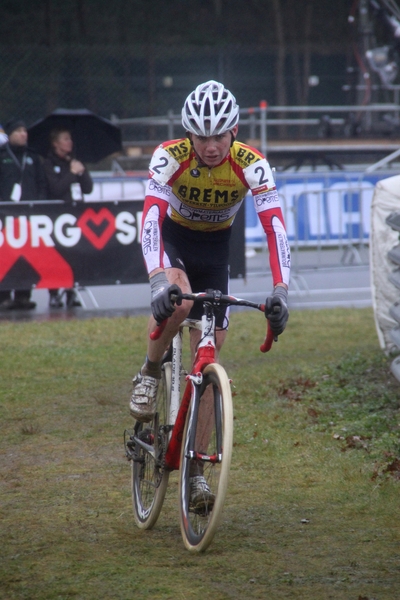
(24,304)
(55,301)
(72,299)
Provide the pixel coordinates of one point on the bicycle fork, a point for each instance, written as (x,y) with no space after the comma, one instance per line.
(178,411)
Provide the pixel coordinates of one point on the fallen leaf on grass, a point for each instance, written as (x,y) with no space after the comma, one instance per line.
(295,389)
(390,468)
(312,413)
(292,394)
(394,468)
(359,442)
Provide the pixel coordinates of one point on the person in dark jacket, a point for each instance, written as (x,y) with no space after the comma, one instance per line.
(67,179)
(21,178)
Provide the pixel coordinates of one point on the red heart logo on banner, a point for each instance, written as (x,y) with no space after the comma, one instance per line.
(98,241)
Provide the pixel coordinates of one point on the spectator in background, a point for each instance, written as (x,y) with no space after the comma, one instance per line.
(21,178)
(67,179)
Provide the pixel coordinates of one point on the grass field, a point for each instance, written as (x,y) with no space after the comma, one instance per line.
(312,510)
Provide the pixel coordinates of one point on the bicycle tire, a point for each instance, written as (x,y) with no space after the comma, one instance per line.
(198,527)
(149,477)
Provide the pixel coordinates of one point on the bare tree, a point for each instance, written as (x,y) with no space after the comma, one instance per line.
(301,60)
(52,87)
(280,81)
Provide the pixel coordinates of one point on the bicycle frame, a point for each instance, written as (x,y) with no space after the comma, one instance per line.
(205,355)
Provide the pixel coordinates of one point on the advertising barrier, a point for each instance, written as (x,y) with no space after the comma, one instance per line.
(320,209)
(50,244)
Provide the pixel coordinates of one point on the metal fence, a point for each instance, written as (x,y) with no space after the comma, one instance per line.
(327,217)
(264,125)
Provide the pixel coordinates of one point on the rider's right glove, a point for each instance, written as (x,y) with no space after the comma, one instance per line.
(276,309)
(162,302)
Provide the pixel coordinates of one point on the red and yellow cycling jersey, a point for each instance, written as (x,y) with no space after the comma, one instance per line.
(207,199)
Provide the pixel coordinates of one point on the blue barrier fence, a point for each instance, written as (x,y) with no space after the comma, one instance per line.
(320,209)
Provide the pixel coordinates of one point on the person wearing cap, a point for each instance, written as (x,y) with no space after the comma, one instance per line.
(195,188)
(21,178)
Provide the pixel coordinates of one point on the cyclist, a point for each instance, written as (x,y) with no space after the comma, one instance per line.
(195,188)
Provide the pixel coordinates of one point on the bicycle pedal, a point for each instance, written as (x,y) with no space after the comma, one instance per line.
(166,429)
(129,444)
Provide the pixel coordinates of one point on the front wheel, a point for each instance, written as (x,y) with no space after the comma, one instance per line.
(205,458)
(149,444)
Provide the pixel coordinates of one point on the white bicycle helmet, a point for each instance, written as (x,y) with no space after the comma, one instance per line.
(210,110)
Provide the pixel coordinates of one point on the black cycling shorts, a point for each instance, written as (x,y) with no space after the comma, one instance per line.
(204,256)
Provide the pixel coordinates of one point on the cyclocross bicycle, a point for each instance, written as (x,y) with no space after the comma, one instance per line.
(174,439)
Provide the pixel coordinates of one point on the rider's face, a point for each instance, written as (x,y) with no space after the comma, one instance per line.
(212,150)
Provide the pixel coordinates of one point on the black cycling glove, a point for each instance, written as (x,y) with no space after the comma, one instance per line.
(276,309)
(162,303)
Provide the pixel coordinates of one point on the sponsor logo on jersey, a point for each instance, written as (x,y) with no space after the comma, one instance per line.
(157,187)
(245,157)
(284,250)
(267,199)
(201,215)
(207,195)
(259,190)
(178,150)
(224,182)
(150,239)
(195,173)
(151,234)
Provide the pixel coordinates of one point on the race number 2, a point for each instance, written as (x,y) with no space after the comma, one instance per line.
(259,176)
(162,166)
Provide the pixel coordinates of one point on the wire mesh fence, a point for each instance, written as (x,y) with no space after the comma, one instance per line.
(137,80)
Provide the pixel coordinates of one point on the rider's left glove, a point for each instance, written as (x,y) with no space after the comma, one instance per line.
(276,309)
(164,296)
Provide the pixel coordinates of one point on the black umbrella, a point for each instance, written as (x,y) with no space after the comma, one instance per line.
(94,137)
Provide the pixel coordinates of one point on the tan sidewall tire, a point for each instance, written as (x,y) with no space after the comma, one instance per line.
(162,488)
(218,373)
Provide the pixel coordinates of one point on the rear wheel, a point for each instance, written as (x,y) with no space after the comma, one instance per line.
(206,452)
(149,444)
